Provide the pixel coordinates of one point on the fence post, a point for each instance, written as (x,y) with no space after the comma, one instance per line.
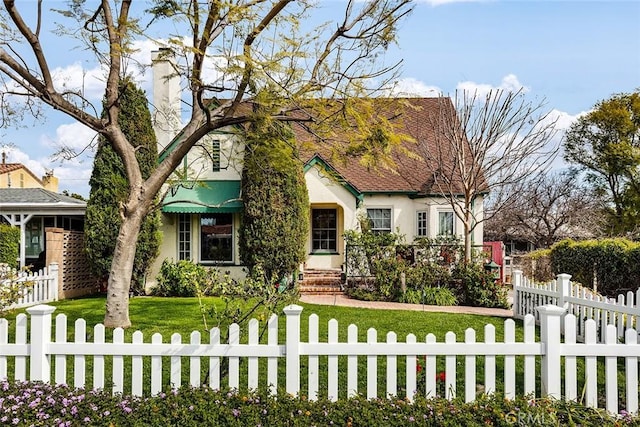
(563,282)
(516,279)
(550,324)
(53,271)
(292,347)
(39,359)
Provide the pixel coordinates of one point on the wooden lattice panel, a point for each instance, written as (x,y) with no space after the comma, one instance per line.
(76,276)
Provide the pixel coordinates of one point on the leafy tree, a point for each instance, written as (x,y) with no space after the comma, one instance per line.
(275,218)
(110,187)
(237,48)
(605,144)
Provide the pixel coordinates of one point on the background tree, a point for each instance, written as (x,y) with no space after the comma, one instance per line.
(545,209)
(605,144)
(247,46)
(493,142)
(110,187)
(275,218)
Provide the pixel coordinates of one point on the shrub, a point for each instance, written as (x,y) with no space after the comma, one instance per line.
(9,245)
(473,286)
(11,289)
(388,274)
(536,265)
(45,404)
(609,264)
(439,296)
(429,296)
(182,279)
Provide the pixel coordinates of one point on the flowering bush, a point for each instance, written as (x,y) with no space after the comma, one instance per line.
(37,404)
(12,288)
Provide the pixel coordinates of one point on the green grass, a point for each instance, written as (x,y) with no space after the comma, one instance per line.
(182,315)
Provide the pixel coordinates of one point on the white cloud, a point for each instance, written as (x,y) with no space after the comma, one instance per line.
(509,83)
(411,87)
(89,82)
(75,136)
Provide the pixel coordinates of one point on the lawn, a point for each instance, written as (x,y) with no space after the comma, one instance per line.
(182,315)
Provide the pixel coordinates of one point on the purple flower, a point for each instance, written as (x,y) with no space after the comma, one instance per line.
(236,412)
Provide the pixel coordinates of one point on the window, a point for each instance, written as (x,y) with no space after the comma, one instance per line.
(423,224)
(324,230)
(380,220)
(184,236)
(216,238)
(215,155)
(445,224)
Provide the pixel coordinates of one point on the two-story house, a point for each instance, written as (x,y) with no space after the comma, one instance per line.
(201,219)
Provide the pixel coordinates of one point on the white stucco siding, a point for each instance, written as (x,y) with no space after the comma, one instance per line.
(200,161)
(404,213)
(168,247)
(326,192)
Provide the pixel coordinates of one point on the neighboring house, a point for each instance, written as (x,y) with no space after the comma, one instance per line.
(16,175)
(33,205)
(201,219)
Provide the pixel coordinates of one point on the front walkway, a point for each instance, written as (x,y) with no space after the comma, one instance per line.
(342,300)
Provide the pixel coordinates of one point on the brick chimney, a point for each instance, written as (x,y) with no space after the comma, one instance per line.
(166,97)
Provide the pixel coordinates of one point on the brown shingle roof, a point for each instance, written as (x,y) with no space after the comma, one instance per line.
(413,117)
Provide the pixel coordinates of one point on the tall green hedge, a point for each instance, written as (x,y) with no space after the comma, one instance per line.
(613,263)
(275,218)
(9,245)
(110,187)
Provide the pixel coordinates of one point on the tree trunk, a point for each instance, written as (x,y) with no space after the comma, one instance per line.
(117,309)
(467,237)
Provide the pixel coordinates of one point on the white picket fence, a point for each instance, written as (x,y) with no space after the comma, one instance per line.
(579,301)
(47,359)
(43,287)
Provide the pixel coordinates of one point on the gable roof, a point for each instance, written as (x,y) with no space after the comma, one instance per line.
(11,167)
(412,175)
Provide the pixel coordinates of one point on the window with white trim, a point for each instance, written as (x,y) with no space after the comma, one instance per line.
(380,219)
(446,223)
(184,236)
(422,224)
(324,230)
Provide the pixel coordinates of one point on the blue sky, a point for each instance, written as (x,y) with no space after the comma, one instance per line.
(570,53)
